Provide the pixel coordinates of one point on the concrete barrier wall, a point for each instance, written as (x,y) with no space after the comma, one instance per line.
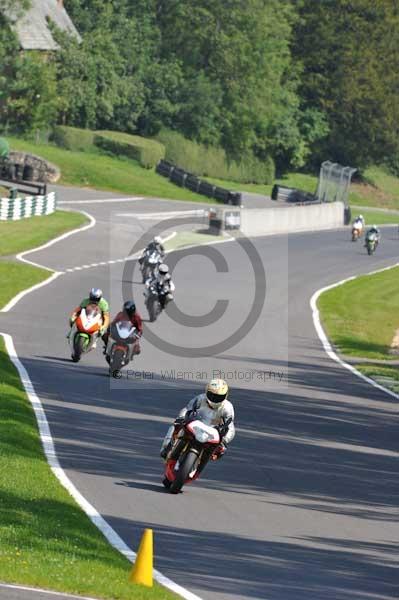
(264,221)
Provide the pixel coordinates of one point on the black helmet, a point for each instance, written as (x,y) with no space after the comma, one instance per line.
(129,307)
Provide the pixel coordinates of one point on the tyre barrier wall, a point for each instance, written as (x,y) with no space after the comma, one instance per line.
(193,183)
(13,209)
(289,219)
(286,194)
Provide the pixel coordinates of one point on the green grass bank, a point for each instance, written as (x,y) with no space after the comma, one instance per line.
(361,318)
(46,539)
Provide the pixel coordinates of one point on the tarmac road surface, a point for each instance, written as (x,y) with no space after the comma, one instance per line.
(304,504)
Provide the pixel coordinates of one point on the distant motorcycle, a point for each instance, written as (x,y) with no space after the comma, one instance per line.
(85,331)
(356,233)
(371,243)
(194,444)
(150,263)
(119,351)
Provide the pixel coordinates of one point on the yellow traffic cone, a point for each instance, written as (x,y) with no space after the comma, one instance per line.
(142,568)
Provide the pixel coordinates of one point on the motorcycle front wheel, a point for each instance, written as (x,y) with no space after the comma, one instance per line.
(184,470)
(116,361)
(145,272)
(153,309)
(78,348)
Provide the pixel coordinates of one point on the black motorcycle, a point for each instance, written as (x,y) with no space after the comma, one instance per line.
(149,264)
(156,299)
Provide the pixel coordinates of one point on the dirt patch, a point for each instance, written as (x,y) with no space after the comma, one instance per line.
(395,344)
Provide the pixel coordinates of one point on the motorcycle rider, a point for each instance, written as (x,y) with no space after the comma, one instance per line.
(359,223)
(95,297)
(154,246)
(210,408)
(128,313)
(162,281)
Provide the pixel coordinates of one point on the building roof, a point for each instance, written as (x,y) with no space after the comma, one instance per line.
(32,28)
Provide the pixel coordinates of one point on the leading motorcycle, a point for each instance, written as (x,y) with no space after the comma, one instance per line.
(85,331)
(151,261)
(119,352)
(193,444)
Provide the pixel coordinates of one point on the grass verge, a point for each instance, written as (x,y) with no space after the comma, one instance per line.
(17,236)
(16,277)
(385,375)
(376,217)
(46,539)
(99,171)
(361,316)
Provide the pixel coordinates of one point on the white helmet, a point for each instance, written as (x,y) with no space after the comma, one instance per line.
(216,392)
(157,239)
(360,217)
(163,269)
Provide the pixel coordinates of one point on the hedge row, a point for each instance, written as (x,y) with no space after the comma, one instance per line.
(147,152)
(211,161)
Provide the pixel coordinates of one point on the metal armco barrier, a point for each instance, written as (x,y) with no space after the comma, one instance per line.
(193,183)
(13,209)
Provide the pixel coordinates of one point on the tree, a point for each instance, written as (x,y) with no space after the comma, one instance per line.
(350,53)
(27,84)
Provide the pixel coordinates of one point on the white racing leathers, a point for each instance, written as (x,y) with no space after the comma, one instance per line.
(208,415)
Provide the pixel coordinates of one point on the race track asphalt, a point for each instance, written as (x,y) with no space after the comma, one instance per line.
(304,504)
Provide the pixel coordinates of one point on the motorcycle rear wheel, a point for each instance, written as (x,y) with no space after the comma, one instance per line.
(184,470)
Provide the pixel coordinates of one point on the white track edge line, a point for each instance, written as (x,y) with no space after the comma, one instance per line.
(48,446)
(103,201)
(43,591)
(55,274)
(324,339)
(20,295)
(92,222)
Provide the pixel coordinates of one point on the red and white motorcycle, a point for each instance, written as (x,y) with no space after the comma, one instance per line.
(193,444)
(120,347)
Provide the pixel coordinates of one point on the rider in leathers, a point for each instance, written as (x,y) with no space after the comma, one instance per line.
(210,408)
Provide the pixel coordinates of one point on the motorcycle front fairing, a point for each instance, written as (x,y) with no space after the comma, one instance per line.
(87,324)
(122,336)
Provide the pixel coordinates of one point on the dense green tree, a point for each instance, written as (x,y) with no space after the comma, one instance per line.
(350,53)
(240,48)
(27,82)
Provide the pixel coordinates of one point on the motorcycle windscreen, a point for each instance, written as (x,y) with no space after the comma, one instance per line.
(123,331)
(205,434)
